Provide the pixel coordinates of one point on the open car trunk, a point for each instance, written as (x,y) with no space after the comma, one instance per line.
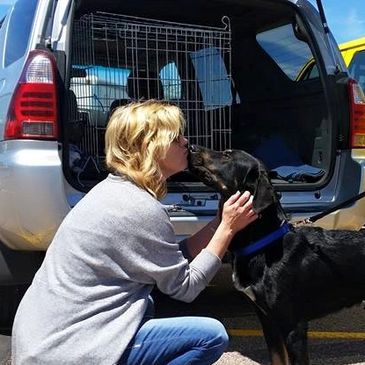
(240,71)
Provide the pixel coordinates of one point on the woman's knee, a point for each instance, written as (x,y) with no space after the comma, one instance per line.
(216,334)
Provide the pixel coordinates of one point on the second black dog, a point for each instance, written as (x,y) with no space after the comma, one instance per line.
(291,275)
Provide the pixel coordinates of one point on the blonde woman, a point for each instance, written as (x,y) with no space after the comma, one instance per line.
(90,301)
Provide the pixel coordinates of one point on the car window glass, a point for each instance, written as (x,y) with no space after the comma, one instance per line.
(309,72)
(357,68)
(97,86)
(314,73)
(20,24)
(171,82)
(289,53)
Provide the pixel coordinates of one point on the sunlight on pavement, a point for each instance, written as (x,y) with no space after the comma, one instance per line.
(232,358)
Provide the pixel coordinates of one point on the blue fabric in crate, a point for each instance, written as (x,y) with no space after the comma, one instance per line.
(305,173)
(274,152)
(284,163)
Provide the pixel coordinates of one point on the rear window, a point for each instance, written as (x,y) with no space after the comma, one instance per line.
(171,82)
(289,53)
(2,21)
(20,24)
(357,68)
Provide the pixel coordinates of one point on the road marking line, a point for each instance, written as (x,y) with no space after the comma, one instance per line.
(311,334)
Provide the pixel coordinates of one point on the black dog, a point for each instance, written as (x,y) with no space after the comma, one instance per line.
(292,275)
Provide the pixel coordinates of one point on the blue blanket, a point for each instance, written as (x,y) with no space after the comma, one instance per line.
(284,163)
(304,173)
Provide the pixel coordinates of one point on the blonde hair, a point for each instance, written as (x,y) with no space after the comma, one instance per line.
(137,137)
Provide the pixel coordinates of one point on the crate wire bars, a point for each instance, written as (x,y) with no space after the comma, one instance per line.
(117,58)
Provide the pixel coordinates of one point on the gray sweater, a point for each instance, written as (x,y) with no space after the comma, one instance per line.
(89,296)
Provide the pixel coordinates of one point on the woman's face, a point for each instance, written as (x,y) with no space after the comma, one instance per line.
(176,157)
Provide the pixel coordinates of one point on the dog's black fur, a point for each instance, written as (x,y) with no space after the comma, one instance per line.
(308,273)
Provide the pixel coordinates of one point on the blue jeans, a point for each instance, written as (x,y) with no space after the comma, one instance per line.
(177,341)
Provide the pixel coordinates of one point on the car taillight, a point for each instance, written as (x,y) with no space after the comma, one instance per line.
(357,115)
(33,110)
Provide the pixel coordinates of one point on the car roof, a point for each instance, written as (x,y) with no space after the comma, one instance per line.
(355,43)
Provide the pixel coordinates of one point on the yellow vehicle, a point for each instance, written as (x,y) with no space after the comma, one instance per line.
(352,48)
(353,53)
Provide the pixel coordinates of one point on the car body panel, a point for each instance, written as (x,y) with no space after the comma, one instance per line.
(348,49)
(32,188)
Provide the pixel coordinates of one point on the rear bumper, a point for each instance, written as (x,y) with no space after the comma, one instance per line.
(348,180)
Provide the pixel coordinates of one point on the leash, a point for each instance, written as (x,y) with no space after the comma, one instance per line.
(286,227)
(265,241)
(316,217)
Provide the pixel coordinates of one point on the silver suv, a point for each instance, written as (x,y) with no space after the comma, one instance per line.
(233,66)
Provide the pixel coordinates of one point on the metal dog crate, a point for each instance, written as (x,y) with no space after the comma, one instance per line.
(117,58)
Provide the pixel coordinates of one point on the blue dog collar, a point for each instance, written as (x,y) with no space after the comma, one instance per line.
(264,242)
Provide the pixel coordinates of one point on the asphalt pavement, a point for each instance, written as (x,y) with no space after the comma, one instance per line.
(338,339)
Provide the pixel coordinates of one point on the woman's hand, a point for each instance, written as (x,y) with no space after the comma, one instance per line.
(238,212)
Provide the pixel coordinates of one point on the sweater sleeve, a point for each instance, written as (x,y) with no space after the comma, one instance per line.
(202,270)
(156,258)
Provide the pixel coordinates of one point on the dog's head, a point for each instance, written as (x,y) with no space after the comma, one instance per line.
(232,170)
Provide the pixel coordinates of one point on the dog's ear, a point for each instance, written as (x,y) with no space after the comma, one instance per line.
(264,194)
(261,187)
